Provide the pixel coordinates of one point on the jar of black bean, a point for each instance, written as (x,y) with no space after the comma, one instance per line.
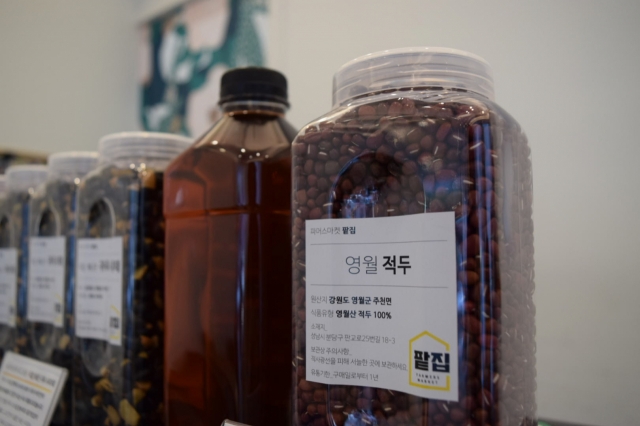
(119,290)
(413,250)
(22,182)
(52,266)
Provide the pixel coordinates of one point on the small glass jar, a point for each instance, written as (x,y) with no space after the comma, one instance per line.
(413,249)
(119,299)
(52,265)
(22,182)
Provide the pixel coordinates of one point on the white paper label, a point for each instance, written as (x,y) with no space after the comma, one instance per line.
(381,303)
(47,262)
(99,289)
(8,286)
(29,390)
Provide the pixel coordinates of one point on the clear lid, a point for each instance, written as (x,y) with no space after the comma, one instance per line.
(72,163)
(24,177)
(138,146)
(412,67)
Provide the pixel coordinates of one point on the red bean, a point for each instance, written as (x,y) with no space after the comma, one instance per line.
(412,157)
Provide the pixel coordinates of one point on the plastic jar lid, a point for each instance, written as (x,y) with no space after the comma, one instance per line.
(22,178)
(142,145)
(412,67)
(77,163)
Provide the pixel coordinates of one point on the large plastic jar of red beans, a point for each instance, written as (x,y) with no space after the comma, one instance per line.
(413,249)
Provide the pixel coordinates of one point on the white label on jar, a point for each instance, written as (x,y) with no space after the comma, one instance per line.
(99,289)
(47,263)
(381,306)
(8,286)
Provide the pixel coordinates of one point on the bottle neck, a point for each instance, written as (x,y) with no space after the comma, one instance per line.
(243,107)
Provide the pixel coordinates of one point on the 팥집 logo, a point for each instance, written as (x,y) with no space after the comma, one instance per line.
(429,362)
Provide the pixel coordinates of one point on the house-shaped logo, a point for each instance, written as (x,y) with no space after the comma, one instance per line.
(429,362)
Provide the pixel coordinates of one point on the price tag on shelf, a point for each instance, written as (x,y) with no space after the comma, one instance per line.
(29,390)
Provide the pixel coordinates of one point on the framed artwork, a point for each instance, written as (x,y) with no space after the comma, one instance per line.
(183,54)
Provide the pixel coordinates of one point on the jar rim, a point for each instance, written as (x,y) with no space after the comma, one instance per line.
(72,162)
(151,145)
(25,176)
(412,67)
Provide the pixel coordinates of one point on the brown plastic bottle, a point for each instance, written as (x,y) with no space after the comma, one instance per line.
(228,280)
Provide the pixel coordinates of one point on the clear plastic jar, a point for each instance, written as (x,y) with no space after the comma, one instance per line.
(119,308)
(413,249)
(52,265)
(22,182)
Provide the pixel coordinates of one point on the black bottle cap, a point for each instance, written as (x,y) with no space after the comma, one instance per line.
(253,84)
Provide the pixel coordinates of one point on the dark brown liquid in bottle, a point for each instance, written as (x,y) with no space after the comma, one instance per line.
(228,279)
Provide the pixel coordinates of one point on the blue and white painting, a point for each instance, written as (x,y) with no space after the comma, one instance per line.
(185,52)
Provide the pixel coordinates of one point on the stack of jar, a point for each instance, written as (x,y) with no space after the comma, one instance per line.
(82,275)
(411,254)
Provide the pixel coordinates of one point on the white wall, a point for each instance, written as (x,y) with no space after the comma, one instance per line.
(569,71)
(67,72)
